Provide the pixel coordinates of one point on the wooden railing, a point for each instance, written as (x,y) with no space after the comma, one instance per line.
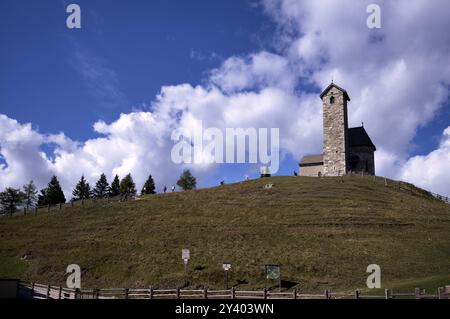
(39,291)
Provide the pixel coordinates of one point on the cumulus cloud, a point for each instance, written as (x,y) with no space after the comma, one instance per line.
(431,171)
(397,77)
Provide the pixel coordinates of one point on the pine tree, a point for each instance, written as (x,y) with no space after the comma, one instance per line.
(114,190)
(42,198)
(10,199)
(101,187)
(53,194)
(149,187)
(127,187)
(187,180)
(82,190)
(30,195)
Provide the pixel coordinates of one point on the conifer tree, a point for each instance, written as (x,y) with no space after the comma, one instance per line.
(10,199)
(187,180)
(127,187)
(30,195)
(52,194)
(149,186)
(114,190)
(101,187)
(82,190)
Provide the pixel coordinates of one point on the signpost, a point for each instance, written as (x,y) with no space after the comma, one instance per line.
(226,266)
(273,272)
(185,255)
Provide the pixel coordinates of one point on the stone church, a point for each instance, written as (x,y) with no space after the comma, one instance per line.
(345,149)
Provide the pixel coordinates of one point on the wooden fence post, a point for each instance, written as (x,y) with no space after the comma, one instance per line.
(357,295)
(47,294)
(151,292)
(178,293)
(77,294)
(265,293)
(387,294)
(59,292)
(233,293)
(126,293)
(32,290)
(327,294)
(294,293)
(440,292)
(417,292)
(205,293)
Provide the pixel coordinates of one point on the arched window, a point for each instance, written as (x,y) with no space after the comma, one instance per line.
(332,100)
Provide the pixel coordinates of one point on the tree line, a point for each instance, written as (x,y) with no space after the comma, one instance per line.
(28,196)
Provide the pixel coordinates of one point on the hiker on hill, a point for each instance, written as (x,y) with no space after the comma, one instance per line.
(165,189)
(173,188)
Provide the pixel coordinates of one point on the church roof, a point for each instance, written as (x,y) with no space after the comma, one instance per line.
(310,160)
(357,136)
(337,87)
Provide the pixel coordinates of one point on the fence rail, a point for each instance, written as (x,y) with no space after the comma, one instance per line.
(63,206)
(39,291)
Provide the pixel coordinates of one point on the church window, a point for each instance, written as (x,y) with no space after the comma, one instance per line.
(332,100)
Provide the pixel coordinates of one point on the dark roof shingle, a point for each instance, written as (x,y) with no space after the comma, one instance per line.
(357,136)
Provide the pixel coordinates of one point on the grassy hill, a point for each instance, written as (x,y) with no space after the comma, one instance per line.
(324,232)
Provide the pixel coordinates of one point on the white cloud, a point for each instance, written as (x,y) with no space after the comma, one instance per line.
(431,171)
(397,77)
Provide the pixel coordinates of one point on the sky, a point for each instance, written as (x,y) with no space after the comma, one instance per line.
(107,97)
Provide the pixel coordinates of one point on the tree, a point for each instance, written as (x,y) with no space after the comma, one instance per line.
(187,180)
(52,195)
(101,187)
(10,198)
(149,186)
(114,190)
(127,187)
(82,190)
(30,195)
(42,198)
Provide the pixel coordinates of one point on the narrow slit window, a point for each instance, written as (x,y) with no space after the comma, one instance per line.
(332,100)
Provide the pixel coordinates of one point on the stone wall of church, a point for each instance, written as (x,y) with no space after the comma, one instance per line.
(361,159)
(335,133)
(313,171)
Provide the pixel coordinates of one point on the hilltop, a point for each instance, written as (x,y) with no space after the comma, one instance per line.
(323,231)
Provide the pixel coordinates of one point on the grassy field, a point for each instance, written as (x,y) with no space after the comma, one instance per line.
(324,233)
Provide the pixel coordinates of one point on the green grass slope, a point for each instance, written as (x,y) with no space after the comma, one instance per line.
(324,232)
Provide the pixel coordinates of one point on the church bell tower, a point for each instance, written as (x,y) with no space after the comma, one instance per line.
(335,130)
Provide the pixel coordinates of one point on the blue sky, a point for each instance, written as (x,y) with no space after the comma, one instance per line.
(146,44)
(65,81)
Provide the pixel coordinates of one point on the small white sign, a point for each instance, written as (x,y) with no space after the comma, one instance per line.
(226,266)
(185,255)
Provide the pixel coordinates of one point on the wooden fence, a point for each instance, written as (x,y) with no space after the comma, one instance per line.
(63,206)
(38,291)
(400,186)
